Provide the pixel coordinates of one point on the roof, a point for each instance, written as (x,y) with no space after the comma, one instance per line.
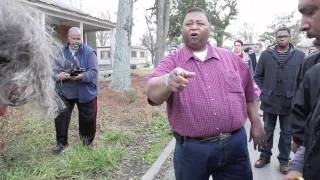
(132,47)
(65,14)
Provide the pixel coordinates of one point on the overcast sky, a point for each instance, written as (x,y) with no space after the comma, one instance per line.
(257,13)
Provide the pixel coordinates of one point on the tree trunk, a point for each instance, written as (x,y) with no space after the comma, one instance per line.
(162,14)
(219,38)
(121,80)
(112,46)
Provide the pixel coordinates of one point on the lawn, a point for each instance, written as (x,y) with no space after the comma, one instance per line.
(130,136)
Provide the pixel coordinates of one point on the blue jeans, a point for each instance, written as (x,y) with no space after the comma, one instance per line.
(284,145)
(226,159)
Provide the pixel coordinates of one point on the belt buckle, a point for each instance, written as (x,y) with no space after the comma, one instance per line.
(221,136)
(224,135)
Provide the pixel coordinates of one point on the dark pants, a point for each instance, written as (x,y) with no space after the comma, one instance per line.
(284,145)
(87,121)
(226,159)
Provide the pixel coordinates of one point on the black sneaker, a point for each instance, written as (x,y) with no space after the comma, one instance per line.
(59,148)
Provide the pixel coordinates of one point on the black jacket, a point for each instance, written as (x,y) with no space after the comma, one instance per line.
(276,80)
(253,60)
(305,99)
(310,89)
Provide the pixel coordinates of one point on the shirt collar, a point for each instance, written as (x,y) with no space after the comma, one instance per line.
(211,54)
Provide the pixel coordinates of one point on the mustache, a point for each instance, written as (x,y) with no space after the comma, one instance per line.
(75,46)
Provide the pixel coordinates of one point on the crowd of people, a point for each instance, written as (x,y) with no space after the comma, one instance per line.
(210,92)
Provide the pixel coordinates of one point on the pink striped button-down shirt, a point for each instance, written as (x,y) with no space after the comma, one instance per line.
(215,99)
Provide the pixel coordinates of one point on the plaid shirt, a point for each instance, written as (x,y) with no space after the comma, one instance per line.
(215,99)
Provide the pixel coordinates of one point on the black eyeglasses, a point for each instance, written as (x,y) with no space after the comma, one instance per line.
(284,36)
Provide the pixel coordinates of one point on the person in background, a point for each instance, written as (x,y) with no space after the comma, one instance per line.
(298,116)
(209,92)
(76,83)
(26,52)
(248,50)
(275,76)
(254,57)
(306,106)
(237,49)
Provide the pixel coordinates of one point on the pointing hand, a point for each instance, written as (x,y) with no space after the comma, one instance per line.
(177,79)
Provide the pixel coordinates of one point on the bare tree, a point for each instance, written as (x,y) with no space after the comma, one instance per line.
(246,33)
(104,36)
(121,80)
(162,16)
(148,39)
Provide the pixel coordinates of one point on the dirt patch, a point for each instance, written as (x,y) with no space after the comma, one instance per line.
(136,116)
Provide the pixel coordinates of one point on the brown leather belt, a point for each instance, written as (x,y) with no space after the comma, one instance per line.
(213,138)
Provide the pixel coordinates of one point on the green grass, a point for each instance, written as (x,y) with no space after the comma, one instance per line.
(28,155)
(28,151)
(162,136)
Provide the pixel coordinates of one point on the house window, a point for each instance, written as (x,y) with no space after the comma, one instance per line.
(105,54)
(109,54)
(142,54)
(134,54)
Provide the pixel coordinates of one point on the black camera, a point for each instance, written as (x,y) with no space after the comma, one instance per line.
(77,71)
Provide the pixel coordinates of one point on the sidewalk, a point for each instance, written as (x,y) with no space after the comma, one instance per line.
(270,171)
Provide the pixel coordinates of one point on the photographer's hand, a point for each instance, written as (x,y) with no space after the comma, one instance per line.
(77,77)
(63,76)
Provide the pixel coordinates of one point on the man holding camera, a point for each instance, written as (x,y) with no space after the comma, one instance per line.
(76,83)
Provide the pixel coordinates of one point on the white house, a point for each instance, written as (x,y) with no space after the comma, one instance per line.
(139,57)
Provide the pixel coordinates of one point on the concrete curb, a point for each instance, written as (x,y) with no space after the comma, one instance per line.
(156,166)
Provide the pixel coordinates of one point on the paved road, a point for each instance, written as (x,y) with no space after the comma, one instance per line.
(270,171)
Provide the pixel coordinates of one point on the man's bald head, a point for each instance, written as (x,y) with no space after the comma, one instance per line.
(74,38)
(74,30)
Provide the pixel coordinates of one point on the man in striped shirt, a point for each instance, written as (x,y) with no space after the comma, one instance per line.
(275,76)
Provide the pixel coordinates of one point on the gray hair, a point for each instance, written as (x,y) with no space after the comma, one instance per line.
(26,60)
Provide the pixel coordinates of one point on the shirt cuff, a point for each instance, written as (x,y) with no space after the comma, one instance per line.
(297,162)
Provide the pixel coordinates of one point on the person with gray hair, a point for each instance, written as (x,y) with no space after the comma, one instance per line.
(26,53)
